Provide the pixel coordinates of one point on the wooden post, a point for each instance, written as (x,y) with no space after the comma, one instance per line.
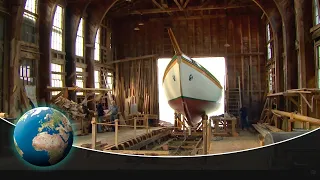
(289,124)
(209,133)
(135,127)
(147,123)
(216,125)
(94,133)
(233,127)
(182,122)
(307,125)
(204,134)
(82,125)
(189,131)
(240,97)
(116,132)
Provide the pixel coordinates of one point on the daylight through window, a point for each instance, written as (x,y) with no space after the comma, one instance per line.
(96,79)
(315,12)
(80,79)
(30,10)
(57,30)
(80,39)
(97,46)
(56,77)
(269,49)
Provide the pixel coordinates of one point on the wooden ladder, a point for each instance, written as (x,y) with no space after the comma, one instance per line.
(234,101)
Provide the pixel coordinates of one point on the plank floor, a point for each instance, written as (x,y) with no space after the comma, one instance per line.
(245,140)
(108,137)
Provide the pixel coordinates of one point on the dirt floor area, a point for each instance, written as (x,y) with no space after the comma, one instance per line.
(245,140)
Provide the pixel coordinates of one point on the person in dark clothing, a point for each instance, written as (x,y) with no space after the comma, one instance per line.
(244,118)
(114,113)
(86,110)
(100,112)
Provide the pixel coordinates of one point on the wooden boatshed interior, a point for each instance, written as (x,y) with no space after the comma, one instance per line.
(63,50)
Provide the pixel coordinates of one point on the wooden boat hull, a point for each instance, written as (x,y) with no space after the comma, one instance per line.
(190,89)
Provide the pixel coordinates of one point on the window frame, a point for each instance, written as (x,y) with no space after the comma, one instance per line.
(270,67)
(62,28)
(62,74)
(26,79)
(82,79)
(97,80)
(30,22)
(317,59)
(315,12)
(82,36)
(97,50)
(27,13)
(269,41)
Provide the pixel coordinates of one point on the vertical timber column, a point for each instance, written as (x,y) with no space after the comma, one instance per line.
(72,23)
(209,131)
(47,9)
(205,134)
(96,11)
(14,32)
(302,41)
(90,36)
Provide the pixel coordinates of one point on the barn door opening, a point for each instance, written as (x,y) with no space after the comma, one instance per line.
(215,65)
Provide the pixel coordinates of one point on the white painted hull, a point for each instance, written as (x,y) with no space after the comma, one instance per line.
(194,84)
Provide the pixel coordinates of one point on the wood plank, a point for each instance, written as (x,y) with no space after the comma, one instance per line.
(148,141)
(132,59)
(273,128)
(162,144)
(140,152)
(170,10)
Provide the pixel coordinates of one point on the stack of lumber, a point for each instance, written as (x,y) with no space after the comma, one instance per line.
(264,128)
(137,86)
(73,109)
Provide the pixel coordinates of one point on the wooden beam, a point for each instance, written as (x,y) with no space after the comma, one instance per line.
(140,152)
(293,101)
(159,6)
(298,117)
(185,4)
(131,59)
(183,18)
(174,43)
(273,128)
(260,129)
(184,147)
(148,141)
(228,54)
(169,10)
(178,4)
(162,144)
(49,88)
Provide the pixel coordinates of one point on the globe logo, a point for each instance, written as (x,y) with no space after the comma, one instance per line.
(43,136)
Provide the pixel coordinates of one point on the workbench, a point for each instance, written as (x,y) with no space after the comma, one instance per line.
(226,122)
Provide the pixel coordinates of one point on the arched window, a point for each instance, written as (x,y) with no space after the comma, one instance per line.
(57,30)
(270,60)
(97,46)
(80,39)
(315,12)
